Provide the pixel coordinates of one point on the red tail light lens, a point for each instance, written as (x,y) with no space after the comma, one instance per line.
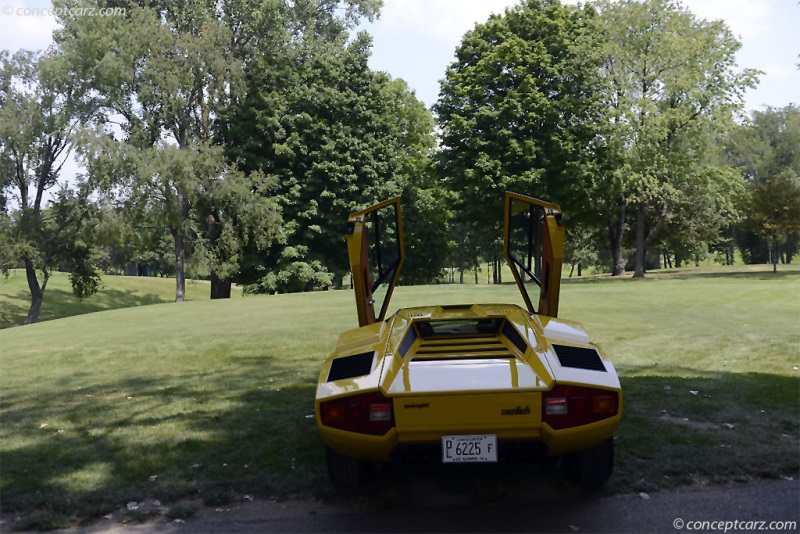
(369,413)
(568,406)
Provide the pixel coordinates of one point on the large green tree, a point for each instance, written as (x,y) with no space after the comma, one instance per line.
(336,136)
(670,83)
(519,110)
(42,223)
(160,75)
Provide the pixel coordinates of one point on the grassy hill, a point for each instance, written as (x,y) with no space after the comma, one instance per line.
(207,400)
(117,292)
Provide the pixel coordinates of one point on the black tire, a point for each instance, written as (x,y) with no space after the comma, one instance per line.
(346,473)
(591,468)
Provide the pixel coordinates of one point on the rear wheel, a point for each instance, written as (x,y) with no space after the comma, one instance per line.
(346,473)
(591,468)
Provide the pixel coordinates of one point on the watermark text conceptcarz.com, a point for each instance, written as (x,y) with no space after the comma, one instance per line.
(12,10)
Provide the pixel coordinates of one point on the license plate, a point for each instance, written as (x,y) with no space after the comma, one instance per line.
(473,448)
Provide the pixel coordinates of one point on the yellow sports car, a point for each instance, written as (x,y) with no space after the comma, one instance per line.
(466,383)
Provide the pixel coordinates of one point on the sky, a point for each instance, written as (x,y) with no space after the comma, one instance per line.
(416,39)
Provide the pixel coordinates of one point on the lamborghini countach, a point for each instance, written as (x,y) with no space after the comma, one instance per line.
(470,383)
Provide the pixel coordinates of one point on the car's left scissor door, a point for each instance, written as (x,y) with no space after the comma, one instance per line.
(375,248)
(533,240)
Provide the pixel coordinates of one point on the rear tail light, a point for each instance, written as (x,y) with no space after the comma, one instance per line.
(368,413)
(568,406)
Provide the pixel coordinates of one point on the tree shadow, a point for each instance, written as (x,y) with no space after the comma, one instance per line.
(686,275)
(59,303)
(134,439)
(743,275)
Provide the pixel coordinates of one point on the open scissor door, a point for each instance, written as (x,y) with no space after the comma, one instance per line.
(375,247)
(533,239)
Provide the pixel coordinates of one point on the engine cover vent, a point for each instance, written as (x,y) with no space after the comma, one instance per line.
(351,366)
(579,358)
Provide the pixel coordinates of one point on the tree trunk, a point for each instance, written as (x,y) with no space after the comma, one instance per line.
(580,269)
(639,255)
(463,261)
(775,258)
(180,269)
(616,227)
(220,289)
(643,241)
(179,236)
(37,292)
(572,269)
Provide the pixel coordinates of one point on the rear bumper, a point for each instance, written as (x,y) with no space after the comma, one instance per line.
(538,440)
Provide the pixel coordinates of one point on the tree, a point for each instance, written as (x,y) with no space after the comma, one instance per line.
(162,76)
(580,249)
(518,110)
(43,216)
(234,210)
(670,82)
(337,137)
(765,150)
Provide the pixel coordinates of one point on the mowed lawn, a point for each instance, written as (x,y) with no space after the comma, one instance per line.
(207,401)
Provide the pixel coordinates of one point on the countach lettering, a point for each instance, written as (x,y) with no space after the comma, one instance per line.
(517,411)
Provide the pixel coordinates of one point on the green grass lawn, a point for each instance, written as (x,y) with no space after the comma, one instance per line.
(206,400)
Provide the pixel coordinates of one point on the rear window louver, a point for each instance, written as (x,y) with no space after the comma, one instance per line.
(579,358)
(462,348)
(351,366)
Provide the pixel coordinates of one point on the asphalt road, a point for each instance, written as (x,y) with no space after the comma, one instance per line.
(760,507)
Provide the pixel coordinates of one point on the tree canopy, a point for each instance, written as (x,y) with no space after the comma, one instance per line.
(42,222)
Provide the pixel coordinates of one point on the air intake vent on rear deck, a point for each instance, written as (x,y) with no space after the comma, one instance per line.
(579,358)
(480,347)
(351,366)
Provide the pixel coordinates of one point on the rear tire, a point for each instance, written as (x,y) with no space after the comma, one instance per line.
(591,468)
(346,473)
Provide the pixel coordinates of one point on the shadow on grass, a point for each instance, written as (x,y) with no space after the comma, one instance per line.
(687,275)
(85,452)
(743,275)
(204,438)
(59,303)
(712,429)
